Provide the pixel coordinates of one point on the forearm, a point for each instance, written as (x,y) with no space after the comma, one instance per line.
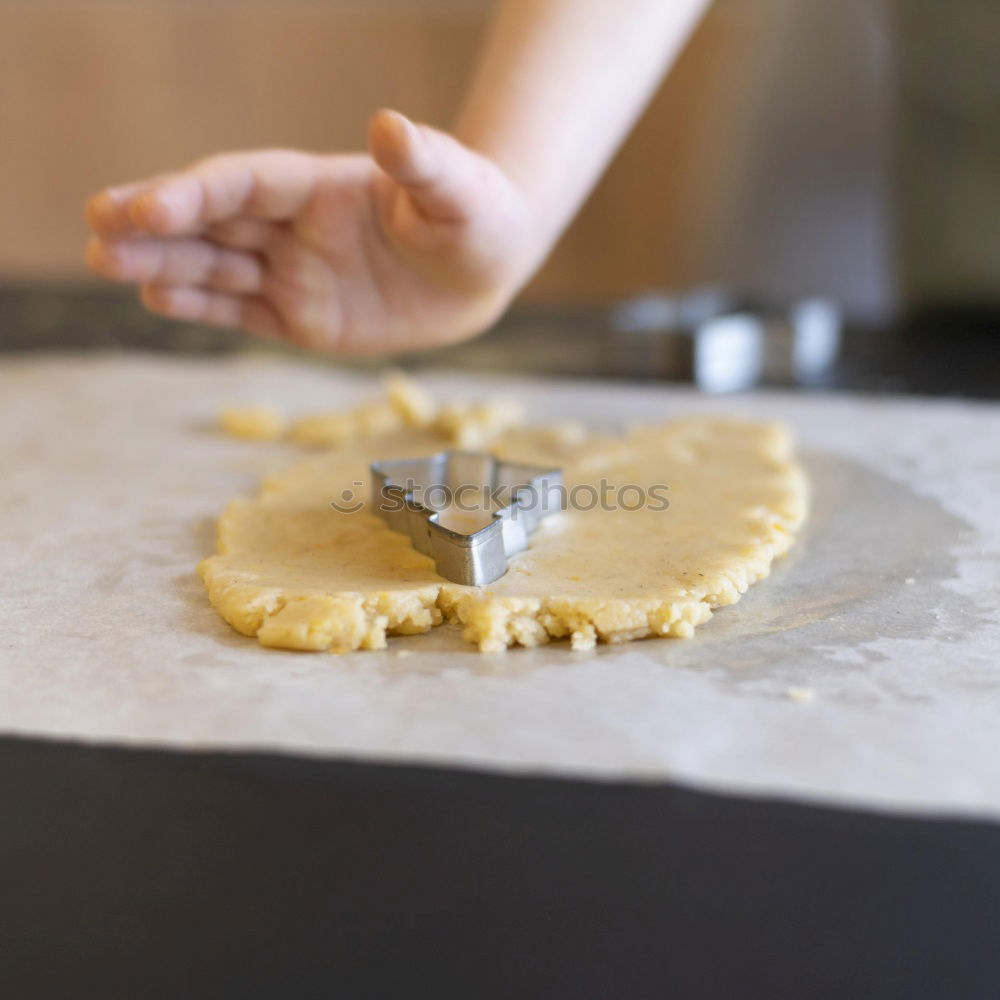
(559,86)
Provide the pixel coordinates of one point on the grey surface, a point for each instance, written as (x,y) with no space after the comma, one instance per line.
(864,670)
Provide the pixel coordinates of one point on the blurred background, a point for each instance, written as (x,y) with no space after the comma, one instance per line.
(817,182)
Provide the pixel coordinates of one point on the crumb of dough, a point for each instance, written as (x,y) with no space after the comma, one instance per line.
(909,581)
(414,404)
(335,430)
(403,403)
(297,574)
(477,425)
(253,423)
(407,405)
(800,694)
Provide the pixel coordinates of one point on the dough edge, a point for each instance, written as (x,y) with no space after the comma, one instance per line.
(314,619)
(345,622)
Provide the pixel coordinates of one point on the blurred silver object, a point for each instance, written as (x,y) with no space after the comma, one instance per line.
(726,343)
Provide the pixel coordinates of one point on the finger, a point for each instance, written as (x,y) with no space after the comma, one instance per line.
(270,184)
(243,234)
(250,313)
(109,212)
(441,175)
(176,262)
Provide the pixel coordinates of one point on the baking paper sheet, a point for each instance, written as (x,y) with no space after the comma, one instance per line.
(863,671)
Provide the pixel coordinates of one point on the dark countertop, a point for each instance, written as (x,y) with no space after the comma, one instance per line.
(944,351)
(157,874)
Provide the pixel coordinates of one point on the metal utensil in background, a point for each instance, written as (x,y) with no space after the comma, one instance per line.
(726,343)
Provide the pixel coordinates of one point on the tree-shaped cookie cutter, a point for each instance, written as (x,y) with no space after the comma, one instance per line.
(403,490)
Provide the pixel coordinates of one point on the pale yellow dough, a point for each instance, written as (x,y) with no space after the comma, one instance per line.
(299,575)
(403,404)
(253,423)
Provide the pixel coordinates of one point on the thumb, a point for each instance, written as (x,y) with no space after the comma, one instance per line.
(437,171)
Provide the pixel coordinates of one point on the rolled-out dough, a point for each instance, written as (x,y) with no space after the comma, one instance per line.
(298,574)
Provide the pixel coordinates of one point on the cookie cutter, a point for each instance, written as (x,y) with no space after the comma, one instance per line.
(473,558)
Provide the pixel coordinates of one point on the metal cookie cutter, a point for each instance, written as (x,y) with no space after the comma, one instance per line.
(530,493)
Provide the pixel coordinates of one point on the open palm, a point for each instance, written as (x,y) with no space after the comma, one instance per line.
(420,243)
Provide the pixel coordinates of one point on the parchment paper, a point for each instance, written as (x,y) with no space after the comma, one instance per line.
(886,610)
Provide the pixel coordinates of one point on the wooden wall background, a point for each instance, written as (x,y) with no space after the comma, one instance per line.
(98,91)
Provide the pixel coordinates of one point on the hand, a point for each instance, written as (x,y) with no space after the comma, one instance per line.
(421,243)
